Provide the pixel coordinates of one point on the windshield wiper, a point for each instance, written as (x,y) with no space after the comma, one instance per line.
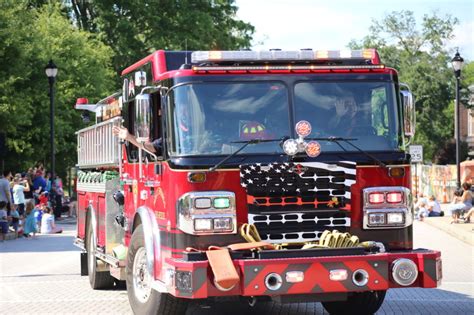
(246,143)
(337,141)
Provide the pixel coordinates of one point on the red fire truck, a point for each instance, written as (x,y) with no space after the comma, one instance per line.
(274,175)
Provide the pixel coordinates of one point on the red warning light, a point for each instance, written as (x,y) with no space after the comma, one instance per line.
(303,128)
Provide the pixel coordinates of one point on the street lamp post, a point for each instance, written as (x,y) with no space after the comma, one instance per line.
(51,71)
(457,63)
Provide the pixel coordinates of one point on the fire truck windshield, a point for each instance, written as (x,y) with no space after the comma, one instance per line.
(210,118)
(364,110)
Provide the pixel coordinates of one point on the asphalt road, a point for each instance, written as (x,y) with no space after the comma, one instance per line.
(42,277)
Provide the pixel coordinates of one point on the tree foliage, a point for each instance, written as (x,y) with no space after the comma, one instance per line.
(420,56)
(133,29)
(31,37)
(89,41)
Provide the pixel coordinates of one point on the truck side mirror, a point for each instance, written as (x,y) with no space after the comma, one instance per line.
(142,117)
(409,121)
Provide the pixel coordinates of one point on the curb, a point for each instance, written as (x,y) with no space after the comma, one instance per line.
(465,234)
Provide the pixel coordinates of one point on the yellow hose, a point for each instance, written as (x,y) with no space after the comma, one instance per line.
(328,239)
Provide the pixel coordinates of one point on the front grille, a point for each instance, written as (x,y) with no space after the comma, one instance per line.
(296,202)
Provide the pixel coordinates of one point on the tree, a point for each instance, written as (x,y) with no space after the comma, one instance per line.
(134,29)
(31,37)
(424,64)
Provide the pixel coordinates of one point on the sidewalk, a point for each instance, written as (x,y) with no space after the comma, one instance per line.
(63,221)
(461,231)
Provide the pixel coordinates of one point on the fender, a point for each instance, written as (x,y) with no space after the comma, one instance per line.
(152,242)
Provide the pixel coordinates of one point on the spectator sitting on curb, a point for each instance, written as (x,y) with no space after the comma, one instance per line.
(433,207)
(467,217)
(3,220)
(30,220)
(422,211)
(421,200)
(38,215)
(15,220)
(461,203)
(48,226)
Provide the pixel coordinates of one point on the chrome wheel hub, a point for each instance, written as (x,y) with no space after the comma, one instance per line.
(141,276)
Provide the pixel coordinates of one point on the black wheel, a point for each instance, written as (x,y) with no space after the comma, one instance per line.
(143,299)
(97,279)
(362,303)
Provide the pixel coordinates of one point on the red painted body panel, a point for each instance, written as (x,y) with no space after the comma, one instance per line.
(97,201)
(372,177)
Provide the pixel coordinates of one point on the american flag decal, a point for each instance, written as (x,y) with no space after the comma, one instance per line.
(295,202)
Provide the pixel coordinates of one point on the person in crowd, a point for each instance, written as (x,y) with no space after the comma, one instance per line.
(38,215)
(422,211)
(28,193)
(5,189)
(43,198)
(30,221)
(48,225)
(467,217)
(72,208)
(433,207)
(39,183)
(3,220)
(461,203)
(57,186)
(19,188)
(420,200)
(15,220)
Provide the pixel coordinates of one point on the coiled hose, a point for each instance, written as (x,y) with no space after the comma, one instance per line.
(329,239)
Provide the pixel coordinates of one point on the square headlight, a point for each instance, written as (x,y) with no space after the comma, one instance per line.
(395,218)
(376,218)
(202,224)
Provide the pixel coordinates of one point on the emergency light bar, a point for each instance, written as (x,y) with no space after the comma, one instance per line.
(369,55)
(283,68)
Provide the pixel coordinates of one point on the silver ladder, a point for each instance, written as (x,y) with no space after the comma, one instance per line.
(97,146)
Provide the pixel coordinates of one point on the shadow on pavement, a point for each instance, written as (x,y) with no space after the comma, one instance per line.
(42,243)
(423,301)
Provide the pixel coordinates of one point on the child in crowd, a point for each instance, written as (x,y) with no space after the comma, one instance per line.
(3,220)
(15,220)
(30,221)
(43,198)
(38,215)
(48,226)
(422,211)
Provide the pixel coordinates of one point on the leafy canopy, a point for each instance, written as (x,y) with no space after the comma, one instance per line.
(420,56)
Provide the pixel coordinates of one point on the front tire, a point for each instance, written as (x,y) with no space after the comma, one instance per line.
(143,299)
(97,279)
(360,303)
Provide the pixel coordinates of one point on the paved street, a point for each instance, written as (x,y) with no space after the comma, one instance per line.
(42,277)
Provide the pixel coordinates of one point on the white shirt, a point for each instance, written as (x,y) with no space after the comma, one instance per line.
(47,223)
(18,194)
(434,205)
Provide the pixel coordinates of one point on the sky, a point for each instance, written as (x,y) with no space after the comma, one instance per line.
(317,24)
